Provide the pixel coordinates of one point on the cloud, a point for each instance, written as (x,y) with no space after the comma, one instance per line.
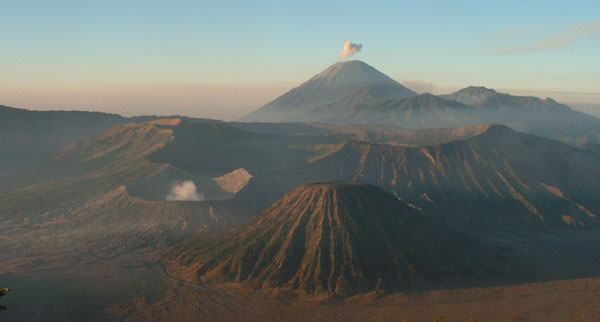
(558,40)
(350,49)
(185,191)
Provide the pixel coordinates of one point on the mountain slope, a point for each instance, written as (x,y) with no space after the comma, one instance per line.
(80,201)
(531,114)
(27,138)
(333,238)
(422,111)
(374,133)
(338,82)
(213,149)
(154,152)
(497,179)
(471,95)
(489,99)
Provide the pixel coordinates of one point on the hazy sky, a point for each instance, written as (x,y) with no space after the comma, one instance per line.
(222,59)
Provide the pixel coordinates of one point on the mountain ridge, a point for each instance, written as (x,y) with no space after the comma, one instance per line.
(495,179)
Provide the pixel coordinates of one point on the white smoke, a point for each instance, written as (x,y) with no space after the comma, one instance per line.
(185,191)
(350,49)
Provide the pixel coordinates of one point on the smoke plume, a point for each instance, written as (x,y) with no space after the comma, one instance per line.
(185,191)
(350,49)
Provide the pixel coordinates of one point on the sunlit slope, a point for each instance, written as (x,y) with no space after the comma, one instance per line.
(334,238)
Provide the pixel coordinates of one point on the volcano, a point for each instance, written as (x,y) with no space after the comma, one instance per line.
(348,82)
(334,238)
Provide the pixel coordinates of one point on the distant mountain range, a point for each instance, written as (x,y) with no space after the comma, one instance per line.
(346,93)
(356,93)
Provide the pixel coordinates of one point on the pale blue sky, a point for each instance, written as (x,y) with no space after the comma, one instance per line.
(224,58)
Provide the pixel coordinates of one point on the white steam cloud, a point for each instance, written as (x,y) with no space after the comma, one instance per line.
(185,191)
(350,49)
